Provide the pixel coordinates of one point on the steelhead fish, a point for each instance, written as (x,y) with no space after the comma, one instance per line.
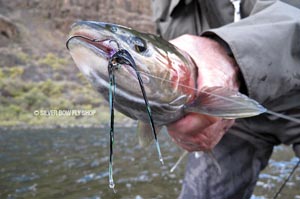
(121,62)
(169,76)
(166,74)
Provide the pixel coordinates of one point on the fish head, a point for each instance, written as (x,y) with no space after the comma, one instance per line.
(168,75)
(92,44)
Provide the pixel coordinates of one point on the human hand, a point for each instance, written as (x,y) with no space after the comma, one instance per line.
(197,132)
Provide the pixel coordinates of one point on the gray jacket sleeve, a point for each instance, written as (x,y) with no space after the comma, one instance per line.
(266,46)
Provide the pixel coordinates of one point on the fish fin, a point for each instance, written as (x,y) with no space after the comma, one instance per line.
(178,161)
(215,161)
(197,155)
(225,103)
(145,134)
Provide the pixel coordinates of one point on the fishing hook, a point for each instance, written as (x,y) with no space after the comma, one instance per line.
(78,36)
(92,40)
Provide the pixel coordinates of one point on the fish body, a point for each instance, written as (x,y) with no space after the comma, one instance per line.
(169,76)
(166,75)
(152,55)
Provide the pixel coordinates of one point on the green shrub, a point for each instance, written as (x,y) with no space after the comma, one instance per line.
(34,99)
(53,61)
(50,88)
(23,57)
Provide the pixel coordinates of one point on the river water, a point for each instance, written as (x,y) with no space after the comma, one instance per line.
(73,163)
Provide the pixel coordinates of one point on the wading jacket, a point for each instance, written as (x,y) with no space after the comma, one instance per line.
(266,45)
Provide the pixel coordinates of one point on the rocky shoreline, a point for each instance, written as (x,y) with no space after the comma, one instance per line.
(36,70)
(129,123)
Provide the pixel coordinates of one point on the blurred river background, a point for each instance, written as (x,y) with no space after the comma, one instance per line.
(52,156)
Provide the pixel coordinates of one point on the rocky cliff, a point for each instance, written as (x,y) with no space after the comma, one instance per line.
(36,71)
(43,22)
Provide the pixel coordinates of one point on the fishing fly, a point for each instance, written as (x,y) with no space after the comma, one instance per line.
(112,88)
(123,57)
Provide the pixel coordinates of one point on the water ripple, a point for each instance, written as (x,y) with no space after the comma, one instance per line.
(27,189)
(25,178)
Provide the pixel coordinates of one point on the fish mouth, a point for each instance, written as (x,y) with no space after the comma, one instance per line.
(104,46)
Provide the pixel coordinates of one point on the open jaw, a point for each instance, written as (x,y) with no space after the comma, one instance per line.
(103,47)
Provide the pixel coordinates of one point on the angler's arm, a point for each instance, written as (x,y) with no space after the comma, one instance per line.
(266,47)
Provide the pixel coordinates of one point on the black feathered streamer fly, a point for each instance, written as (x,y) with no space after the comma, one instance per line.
(122,56)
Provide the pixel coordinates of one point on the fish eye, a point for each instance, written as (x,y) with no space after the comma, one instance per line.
(113,28)
(139,44)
